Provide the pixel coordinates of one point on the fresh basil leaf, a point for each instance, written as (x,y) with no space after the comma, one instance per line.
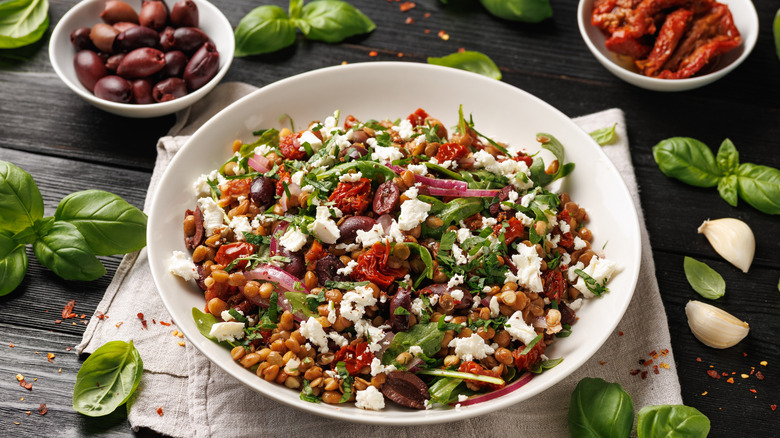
(427,336)
(13,263)
(108,223)
(538,170)
(727,188)
(528,11)
(671,421)
(727,158)
(26,236)
(346,381)
(107,379)
(759,186)
(300,303)
(604,136)
(332,21)
(65,251)
(265,137)
(474,62)
(264,29)
(204,321)
(776,31)
(426,258)
(600,409)
(21,203)
(295,10)
(22,22)
(688,160)
(540,367)
(703,279)
(446,390)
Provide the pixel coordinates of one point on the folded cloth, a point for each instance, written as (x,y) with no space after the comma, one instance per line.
(198,399)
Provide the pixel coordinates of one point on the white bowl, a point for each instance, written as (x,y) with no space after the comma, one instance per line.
(745,19)
(87,14)
(500,110)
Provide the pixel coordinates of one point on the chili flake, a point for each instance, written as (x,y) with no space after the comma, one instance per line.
(160,411)
(634,372)
(601,362)
(50,357)
(67,311)
(409,20)
(181,344)
(42,409)
(405,6)
(763,363)
(119,324)
(444,35)
(620,333)
(644,374)
(730,380)
(141,317)
(704,393)
(372,53)
(28,412)
(167,324)
(773,407)
(759,375)
(744,376)
(427,31)
(57,321)
(100,315)
(698,359)
(752,390)
(714,374)
(427,15)
(11,344)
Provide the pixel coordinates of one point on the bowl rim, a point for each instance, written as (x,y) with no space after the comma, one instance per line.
(158,108)
(371,417)
(658,84)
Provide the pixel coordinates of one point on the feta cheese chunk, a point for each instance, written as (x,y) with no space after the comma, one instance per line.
(413,212)
(351,177)
(599,269)
(384,154)
(213,215)
(370,237)
(370,398)
(354,303)
(240,225)
(529,266)
(347,270)
(181,265)
(473,347)
(579,243)
(456,280)
(404,129)
(227,331)
(201,186)
(312,139)
(323,227)
(518,329)
(418,169)
(312,330)
(293,239)
(416,350)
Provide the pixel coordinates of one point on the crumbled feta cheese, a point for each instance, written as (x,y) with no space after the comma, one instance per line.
(370,398)
(384,154)
(201,186)
(364,329)
(312,330)
(518,329)
(576,304)
(293,239)
(554,240)
(404,129)
(525,201)
(488,222)
(332,314)
(454,281)
(348,247)
(323,227)
(370,237)
(347,270)
(457,253)
(378,368)
(600,270)
(354,303)
(309,137)
(394,232)
(564,226)
(462,397)
(494,307)
(529,266)
(182,266)
(418,169)
(297,177)
(515,171)
(213,215)
(579,243)
(227,331)
(226,316)
(565,259)
(513,195)
(240,225)
(572,272)
(351,177)
(308,188)
(412,193)
(473,347)
(417,307)
(413,212)
(416,350)
(526,220)
(337,338)
(463,234)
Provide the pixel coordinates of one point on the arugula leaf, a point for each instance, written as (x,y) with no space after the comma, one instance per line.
(268,137)
(426,258)
(369,169)
(299,302)
(545,365)
(427,336)
(531,345)
(446,390)
(538,170)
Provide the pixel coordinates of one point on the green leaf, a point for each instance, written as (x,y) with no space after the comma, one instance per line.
(727,158)
(776,31)
(703,279)
(446,390)
(64,251)
(369,169)
(591,283)
(727,188)
(538,174)
(345,285)
(474,62)
(600,409)
(427,336)
(545,365)
(204,321)
(22,22)
(426,258)
(332,21)
(300,303)
(688,160)
(108,223)
(528,11)
(21,203)
(604,136)
(264,29)
(13,263)
(107,379)
(463,375)
(759,186)
(671,421)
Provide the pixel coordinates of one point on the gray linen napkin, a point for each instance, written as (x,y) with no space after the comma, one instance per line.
(199,399)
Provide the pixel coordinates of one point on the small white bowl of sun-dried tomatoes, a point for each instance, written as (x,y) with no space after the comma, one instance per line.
(665,45)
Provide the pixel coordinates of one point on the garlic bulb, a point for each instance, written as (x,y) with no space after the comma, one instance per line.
(732,239)
(714,327)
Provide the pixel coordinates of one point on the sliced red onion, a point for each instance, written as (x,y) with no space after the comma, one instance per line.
(283,280)
(540,322)
(461,193)
(434,182)
(485,302)
(259,163)
(278,231)
(520,382)
(386,221)
(414,364)
(384,344)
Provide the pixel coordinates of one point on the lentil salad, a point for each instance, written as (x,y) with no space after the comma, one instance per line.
(388,259)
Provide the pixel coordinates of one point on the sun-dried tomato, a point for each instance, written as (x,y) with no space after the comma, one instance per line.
(291,148)
(418,117)
(554,284)
(349,122)
(526,361)
(315,252)
(475,368)
(372,266)
(237,187)
(622,43)
(451,151)
(513,231)
(355,357)
(227,253)
(283,176)
(666,41)
(352,197)
(522,156)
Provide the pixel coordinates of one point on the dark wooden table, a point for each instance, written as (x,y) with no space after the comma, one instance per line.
(68,145)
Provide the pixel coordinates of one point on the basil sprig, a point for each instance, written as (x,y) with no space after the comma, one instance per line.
(671,420)
(474,62)
(604,136)
(22,22)
(528,11)
(85,225)
(692,162)
(269,28)
(703,279)
(107,379)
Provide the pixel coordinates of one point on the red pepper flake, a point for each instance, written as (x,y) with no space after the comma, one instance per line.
(744,354)
(444,35)
(620,333)
(82,316)
(752,390)
(644,374)
(400,54)
(372,53)
(57,321)
(119,324)
(67,311)
(698,359)
(655,369)
(42,409)
(167,324)
(653,353)
(160,411)
(409,20)
(24,384)
(427,31)
(100,315)
(714,374)
(647,362)
(405,6)
(759,375)
(773,407)
(68,348)
(634,372)
(141,317)
(153,321)
(601,362)
(50,357)
(427,15)
(461,49)
(724,374)
(28,412)
(11,344)
(730,380)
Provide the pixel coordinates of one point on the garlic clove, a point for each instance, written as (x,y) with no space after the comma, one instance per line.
(714,327)
(732,239)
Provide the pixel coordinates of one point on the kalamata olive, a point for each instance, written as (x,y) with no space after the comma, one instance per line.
(115,89)
(201,280)
(354,152)
(135,38)
(142,94)
(191,242)
(406,389)
(327,267)
(184,13)
(141,63)
(387,198)
(113,61)
(262,191)
(442,288)
(503,195)
(568,316)
(203,66)
(175,61)
(115,11)
(399,321)
(89,68)
(102,36)
(350,226)
(296,266)
(153,14)
(165,6)
(123,26)
(359,136)
(169,89)
(167,39)
(189,39)
(80,39)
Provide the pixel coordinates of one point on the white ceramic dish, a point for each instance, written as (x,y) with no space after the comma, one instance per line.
(499,110)
(87,13)
(745,19)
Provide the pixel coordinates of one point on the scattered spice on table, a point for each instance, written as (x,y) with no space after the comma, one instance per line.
(67,311)
(160,411)
(50,357)
(730,380)
(143,321)
(714,374)
(42,409)
(11,344)
(405,6)
(100,315)
(372,53)
(759,375)
(167,324)
(773,407)
(23,383)
(409,20)
(119,324)
(620,333)
(444,35)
